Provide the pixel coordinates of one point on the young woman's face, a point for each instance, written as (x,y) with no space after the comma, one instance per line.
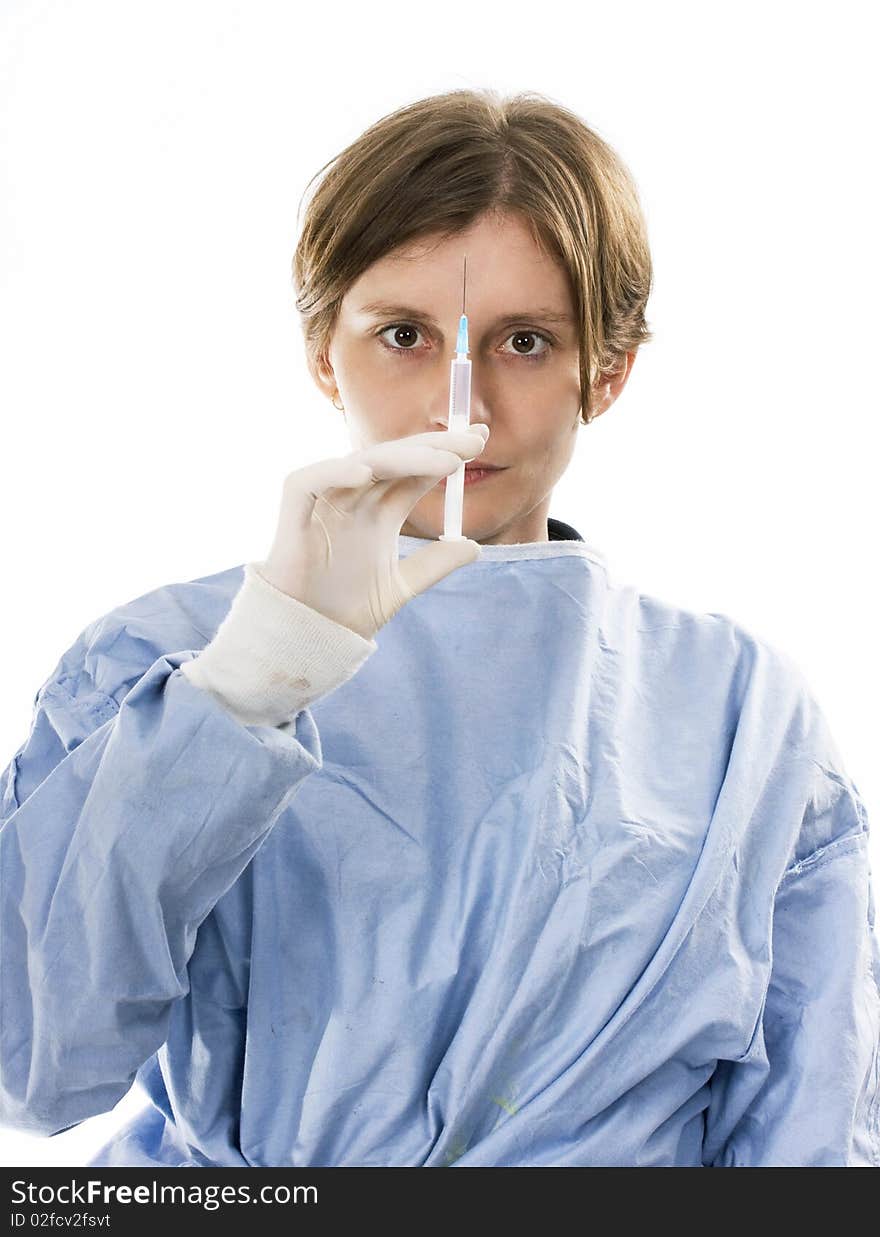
(389,367)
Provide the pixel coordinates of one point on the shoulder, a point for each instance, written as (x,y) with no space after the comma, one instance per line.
(714,677)
(114,650)
(707,693)
(693,655)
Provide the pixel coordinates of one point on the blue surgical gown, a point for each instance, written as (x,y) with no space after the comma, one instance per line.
(563,875)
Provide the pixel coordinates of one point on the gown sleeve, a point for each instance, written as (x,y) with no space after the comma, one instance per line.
(807,1093)
(126,815)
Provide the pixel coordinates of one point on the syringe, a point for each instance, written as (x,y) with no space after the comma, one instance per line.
(459,419)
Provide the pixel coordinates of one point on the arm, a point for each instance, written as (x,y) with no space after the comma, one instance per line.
(123,824)
(807,1093)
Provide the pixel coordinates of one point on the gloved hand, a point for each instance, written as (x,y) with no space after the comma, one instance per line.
(335,546)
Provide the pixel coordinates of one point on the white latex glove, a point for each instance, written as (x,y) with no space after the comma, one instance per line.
(335,546)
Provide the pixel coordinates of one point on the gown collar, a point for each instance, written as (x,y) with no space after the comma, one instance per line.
(564,540)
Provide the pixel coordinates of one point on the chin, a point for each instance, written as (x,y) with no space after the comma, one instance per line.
(428,524)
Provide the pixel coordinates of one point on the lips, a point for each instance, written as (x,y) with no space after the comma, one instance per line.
(474,473)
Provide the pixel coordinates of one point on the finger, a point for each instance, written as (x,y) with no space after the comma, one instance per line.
(439,438)
(423,455)
(411,467)
(342,471)
(433,562)
(431,436)
(304,486)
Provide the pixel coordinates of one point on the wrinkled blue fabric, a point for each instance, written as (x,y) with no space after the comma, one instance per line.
(564,875)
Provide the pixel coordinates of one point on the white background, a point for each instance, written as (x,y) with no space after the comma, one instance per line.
(153,383)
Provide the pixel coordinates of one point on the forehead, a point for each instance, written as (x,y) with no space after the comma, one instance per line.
(504,264)
(489,235)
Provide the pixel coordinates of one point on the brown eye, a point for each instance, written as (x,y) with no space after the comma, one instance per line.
(523,343)
(404,335)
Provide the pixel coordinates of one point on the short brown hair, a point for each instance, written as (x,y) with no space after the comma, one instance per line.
(438,164)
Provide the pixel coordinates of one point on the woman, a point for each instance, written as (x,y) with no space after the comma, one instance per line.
(393,851)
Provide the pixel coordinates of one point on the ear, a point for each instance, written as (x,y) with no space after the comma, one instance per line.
(322,374)
(609,385)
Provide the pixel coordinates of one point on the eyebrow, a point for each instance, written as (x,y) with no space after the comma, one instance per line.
(384,309)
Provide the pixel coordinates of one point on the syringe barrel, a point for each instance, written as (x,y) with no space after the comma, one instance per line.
(459,419)
(460,392)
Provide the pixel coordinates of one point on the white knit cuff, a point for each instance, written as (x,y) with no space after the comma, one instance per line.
(273,655)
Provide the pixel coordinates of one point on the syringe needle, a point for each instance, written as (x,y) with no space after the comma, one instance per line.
(464,284)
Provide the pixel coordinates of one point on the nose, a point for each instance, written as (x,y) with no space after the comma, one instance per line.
(479,413)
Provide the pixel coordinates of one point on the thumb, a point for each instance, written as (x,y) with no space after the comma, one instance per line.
(435,561)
